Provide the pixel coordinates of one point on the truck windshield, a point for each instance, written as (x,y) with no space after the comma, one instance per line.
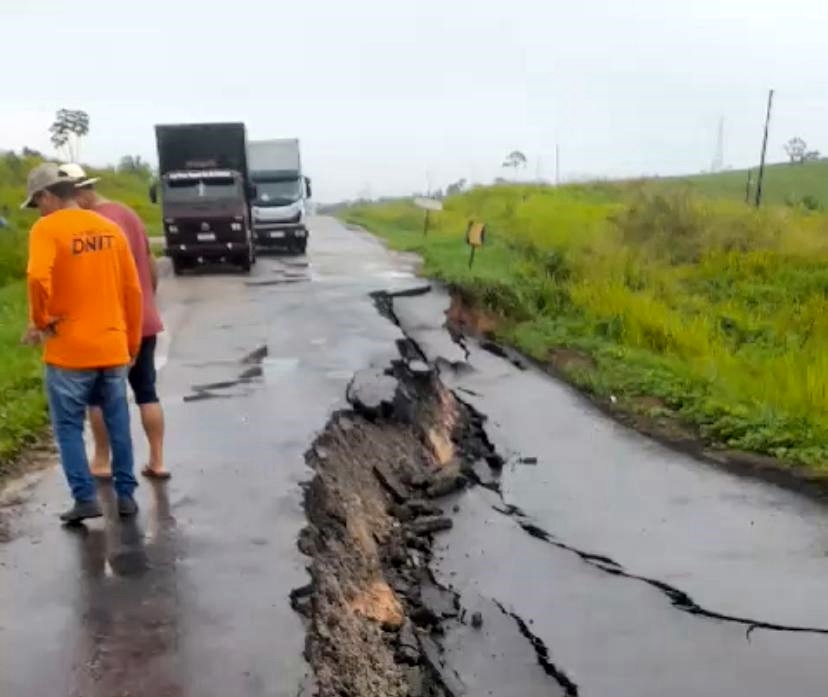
(280,192)
(193,190)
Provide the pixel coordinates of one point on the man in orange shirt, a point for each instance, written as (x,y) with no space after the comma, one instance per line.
(85,304)
(141,376)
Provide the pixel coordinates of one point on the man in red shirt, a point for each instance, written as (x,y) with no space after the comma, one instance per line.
(142,375)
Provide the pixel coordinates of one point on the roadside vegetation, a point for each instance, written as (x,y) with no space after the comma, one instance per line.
(22,403)
(802,185)
(697,311)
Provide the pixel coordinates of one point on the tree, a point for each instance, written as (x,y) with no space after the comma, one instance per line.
(134,164)
(812,156)
(69,128)
(515,159)
(456,188)
(797,150)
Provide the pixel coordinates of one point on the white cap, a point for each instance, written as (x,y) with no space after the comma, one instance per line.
(78,174)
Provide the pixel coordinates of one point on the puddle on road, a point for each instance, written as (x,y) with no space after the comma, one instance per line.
(393,275)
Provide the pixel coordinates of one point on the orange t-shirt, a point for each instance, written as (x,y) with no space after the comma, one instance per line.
(82,277)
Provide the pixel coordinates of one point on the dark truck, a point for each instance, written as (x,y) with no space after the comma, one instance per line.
(205,194)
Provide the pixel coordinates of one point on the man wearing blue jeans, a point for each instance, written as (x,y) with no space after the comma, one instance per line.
(70,393)
(85,306)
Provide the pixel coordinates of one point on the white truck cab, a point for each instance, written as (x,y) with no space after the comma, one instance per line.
(280,208)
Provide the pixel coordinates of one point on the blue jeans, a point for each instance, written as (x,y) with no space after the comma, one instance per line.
(70,392)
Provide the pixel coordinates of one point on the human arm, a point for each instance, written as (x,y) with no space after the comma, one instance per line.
(153,267)
(132,297)
(42,253)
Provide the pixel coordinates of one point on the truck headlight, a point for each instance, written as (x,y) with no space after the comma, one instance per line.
(172,228)
(236,226)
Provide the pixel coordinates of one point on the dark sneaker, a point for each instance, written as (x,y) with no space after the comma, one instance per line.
(127,506)
(81,511)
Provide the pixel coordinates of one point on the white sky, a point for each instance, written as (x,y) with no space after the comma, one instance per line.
(387,95)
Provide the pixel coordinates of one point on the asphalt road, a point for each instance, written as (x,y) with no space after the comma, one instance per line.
(606,563)
(641,571)
(192,599)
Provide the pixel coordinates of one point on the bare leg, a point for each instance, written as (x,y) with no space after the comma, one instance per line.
(100,466)
(152,418)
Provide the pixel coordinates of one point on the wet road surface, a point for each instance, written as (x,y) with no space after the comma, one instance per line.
(192,598)
(606,565)
(637,570)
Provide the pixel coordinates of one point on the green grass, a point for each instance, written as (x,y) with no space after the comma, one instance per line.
(784,184)
(717,310)
(22,404)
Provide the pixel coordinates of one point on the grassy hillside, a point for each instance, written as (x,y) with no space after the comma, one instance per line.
(784,184)
(700,312)
(22,405)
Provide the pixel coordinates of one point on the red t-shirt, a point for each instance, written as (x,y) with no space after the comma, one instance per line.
(136,235)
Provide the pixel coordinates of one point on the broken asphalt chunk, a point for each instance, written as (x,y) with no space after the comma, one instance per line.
(430,524)
(419,368)
(440,602)
(391,483)
(415,508)
(408,646)
(445,484)
(372,393)
(257,355)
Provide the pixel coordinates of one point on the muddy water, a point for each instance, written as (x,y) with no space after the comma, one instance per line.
(656,569)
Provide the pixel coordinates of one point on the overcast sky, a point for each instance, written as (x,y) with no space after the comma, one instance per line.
(387,95)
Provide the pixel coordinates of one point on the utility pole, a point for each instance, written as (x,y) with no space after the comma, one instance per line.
(557,165)
(718,157)
(761,177)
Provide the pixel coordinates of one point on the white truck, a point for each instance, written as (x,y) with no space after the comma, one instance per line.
(280,208)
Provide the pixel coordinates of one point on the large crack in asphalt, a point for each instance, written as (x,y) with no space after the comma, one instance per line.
(679,599)
(542,652)
(373,605)
(375,614)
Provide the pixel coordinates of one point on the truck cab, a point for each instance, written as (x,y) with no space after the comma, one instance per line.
(205,218)
(205,195)
(280,208)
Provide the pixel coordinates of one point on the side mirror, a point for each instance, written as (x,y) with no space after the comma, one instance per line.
(153,192)
(308,189)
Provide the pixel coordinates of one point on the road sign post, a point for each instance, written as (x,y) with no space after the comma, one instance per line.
(428,205)
(475,237)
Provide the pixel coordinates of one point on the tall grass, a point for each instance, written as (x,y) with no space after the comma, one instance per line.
(717,309)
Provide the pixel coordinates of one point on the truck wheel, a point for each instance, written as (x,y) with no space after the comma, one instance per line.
(301,246)
(247,262)
(178,266)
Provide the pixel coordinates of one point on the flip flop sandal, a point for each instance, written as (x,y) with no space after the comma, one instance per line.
(150,473)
